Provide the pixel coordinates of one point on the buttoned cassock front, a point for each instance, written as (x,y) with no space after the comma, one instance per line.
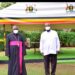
(49,42)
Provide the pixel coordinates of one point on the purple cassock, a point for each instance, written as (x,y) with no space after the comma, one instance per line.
(15,50)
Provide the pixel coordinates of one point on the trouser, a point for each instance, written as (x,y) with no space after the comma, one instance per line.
(51,58)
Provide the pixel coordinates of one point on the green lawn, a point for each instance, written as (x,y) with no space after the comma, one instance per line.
(64,53)
(67,52)
(38,69)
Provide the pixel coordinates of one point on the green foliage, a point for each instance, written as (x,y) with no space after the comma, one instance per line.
(67,38)
(1,39)
(34,36)
(1,34)
(6,4)
(7,32)
(1,46)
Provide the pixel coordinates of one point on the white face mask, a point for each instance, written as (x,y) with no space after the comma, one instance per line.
(47,28)
(15,31)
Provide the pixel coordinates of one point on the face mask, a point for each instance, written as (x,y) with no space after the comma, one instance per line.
(15,31)
(47,28)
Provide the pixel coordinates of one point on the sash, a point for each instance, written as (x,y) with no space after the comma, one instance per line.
(18,43)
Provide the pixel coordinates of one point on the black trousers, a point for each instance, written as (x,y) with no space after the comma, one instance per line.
(50,59)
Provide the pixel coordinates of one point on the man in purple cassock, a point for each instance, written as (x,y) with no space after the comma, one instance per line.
(15,50)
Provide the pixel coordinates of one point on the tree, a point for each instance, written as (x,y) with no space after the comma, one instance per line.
(5,4)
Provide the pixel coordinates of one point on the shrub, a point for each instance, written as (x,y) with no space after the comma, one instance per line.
(1,46)
(67,38)
(34,37)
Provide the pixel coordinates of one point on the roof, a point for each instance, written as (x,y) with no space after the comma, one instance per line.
(40,12)
(40,9)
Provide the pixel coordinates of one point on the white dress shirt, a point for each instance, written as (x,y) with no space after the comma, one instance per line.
(49,42)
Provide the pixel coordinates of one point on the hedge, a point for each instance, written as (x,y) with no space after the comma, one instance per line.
(67,39)
(34,37)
